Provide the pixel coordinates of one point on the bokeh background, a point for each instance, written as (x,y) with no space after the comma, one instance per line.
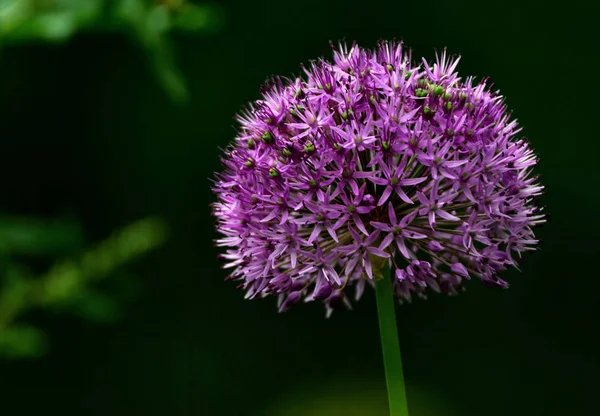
(112,300)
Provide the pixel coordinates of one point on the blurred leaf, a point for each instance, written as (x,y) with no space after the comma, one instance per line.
(337,397)
(52,20)
(358,397)
(193,17)
(170,78)
(140,237)
(147,21)
(12,13)
(95,306)
(61,283)
(22,341)
(149,26)
(54,27)
(14,296)
(158,20)
(66,279)
(133,11)
(32,236)
(67,285)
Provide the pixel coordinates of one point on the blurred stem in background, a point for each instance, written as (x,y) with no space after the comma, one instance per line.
(147,22)
(69,283)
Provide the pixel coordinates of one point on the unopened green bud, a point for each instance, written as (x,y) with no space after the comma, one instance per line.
(250,144)
(273,173)
(267,137)
(309,147)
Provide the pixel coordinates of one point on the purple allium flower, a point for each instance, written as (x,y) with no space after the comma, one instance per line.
(375,159)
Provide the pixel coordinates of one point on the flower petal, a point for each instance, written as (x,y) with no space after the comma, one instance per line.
(385,195)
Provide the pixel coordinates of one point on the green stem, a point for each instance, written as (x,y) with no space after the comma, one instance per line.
(391,347)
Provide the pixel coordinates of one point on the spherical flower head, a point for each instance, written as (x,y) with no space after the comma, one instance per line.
(373,159)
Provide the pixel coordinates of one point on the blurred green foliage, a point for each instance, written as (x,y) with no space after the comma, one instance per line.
(147,22)
(31,236)
(27,243)
(354,397)
(69,283)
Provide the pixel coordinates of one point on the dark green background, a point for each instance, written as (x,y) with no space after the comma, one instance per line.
(87,133)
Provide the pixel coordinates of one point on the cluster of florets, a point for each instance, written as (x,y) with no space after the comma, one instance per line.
(374,159)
